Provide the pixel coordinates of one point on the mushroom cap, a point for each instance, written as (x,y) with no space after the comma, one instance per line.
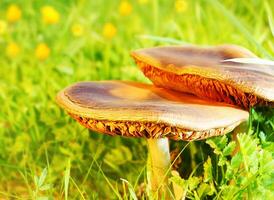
(203,71)
(142,110)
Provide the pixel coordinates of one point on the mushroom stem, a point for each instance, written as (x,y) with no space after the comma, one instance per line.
(158,168)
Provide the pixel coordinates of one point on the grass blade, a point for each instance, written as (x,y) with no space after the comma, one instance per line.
(66,180)
(42,177)
(236,22)
(270,18)
(161,39)
(130,189)
(108,182)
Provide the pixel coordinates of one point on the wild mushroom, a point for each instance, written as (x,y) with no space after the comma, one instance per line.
(141,110)
(210,72)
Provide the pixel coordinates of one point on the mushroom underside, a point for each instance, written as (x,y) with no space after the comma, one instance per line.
(203,87)
(149,129)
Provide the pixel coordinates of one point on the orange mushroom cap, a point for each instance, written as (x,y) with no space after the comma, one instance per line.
(141,110)
(203,71)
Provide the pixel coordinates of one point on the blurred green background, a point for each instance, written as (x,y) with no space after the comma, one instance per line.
(48,45)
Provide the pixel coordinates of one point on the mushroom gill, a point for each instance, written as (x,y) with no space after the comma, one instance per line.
(149,129)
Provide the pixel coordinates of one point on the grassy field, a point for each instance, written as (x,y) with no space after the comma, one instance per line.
(47,45)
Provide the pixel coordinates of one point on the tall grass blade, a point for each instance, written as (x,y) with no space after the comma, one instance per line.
(130,189)
(270,17)
(66,179)
(80,192)
(236,22)
(108,182)
(161,39)
(42,177)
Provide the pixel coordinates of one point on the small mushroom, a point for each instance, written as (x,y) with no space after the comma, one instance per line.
(210,72)
(140,110)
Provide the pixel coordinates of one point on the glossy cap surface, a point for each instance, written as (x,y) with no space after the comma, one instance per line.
(180,67)
(142,110)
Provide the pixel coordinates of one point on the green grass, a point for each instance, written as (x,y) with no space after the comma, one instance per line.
(45,154)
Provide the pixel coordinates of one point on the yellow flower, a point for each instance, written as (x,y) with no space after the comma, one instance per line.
(109,30)
(50,15)
(42,51)
(142,1)
(77,30)
(125,8)
(3,27)
(13,13)
(180,6)
(12,50)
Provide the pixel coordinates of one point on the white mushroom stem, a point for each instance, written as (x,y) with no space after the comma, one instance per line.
(158,167)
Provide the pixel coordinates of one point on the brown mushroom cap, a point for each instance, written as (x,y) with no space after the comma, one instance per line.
(142,110)
(203,72)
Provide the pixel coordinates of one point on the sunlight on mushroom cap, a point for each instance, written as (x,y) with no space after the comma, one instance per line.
(155,113)
(201,71)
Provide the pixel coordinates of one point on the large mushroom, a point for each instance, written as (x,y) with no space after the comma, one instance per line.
(210,72)
(140,110)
